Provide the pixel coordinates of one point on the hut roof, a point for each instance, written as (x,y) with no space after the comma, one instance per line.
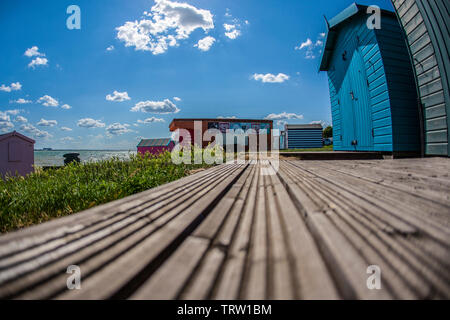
(160,142)
(15,134)
(333,30)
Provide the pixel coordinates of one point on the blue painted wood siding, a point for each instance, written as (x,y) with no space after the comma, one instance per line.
(373,77)
(304,138)
(387,120)
(426,24)
(401,86)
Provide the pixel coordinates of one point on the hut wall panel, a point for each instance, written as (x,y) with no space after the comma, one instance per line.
(426,24)
(400,85)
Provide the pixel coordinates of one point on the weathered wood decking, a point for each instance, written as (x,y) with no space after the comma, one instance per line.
(309,232)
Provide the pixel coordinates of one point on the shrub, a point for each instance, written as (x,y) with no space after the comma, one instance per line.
(44,195)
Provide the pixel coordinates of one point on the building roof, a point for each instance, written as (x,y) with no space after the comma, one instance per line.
(333,30)
(172,126)
(16,134)
(303,126)
(222,120)
(160,142)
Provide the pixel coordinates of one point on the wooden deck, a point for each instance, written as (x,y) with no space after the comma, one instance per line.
(230,232)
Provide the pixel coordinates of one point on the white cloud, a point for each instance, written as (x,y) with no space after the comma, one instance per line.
(312,48)
(177,99)
(229,27)
(21,119)
(205,44)
(90,123)
(48,101)
(21,101)
(231,31)
(150,120)
(5,122)
(4,116)
(67,139)
(118,96)
(33,51)
(284,116)
(222,117)
(322,35)
(66,129)
(169,22)
(118,129)
(321,122)
(38,62)
(305,44)
(14,112)
(66,107)
(29,128)
(110,48)
(271,78)
(233,34)
(47,123)
(161,107)
(281,123)
(12,87)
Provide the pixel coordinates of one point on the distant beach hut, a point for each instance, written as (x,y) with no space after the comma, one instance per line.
(303,136)
(16,154)
(155,146)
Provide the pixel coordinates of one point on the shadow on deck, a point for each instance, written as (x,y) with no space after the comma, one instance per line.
(231,232)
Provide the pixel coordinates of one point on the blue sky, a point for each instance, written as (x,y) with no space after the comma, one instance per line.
(135,65)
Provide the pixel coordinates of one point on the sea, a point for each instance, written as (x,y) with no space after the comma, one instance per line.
(46,158)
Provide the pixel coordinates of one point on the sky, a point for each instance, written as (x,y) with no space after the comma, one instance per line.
(133,66)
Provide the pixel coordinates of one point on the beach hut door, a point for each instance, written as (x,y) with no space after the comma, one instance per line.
(357,115)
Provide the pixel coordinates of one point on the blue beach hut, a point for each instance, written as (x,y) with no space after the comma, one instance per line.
(371,82)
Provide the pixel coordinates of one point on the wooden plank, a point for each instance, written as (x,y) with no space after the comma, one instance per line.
(202,284)
(229,283)
(311,279)
(281,280)
(91,256)
(346,263)
(425,216)
(419,185)
(69,225)
(255,283)
(131,264)
(188,256)
(402,267)
(421,270)
(168,281)
(123,212)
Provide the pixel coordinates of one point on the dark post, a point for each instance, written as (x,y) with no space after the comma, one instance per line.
(71,157)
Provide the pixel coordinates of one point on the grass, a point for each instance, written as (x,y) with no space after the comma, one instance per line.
(325,148)
(45,195)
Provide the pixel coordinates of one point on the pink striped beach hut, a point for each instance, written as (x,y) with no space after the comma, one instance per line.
(155,146)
